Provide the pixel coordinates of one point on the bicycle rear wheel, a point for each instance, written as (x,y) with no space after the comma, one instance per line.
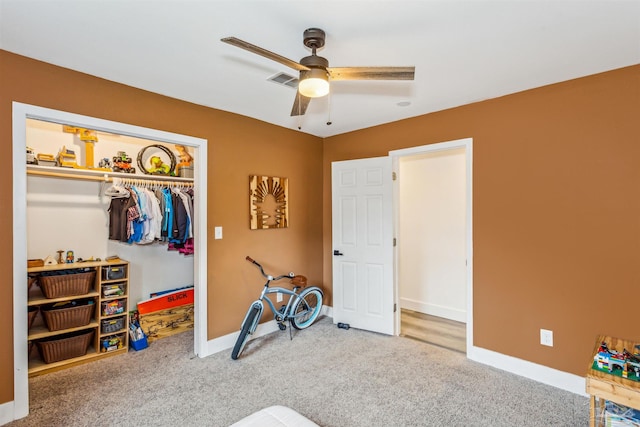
(244,332)
(307,308)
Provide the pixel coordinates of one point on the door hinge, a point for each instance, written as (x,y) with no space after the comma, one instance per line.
(395,307)
(393,176)
(394,242)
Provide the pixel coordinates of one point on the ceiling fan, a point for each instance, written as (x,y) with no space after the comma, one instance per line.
(315,72)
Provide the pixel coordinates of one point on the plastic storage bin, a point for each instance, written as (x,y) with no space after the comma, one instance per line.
(140,344)
(109,326)
(112,343)
(115,272)
(113,290)
(116,306)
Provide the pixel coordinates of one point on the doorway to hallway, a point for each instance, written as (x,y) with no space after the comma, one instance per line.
(434,249)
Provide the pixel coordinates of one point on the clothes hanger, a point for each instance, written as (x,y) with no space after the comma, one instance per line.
(116,190)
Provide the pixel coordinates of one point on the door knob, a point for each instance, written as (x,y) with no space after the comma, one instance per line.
(337,253)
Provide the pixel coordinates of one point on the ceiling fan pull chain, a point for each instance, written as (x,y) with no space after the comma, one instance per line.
(329,109)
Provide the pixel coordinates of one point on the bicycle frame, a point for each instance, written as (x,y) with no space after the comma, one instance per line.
(279,316)
(299,311)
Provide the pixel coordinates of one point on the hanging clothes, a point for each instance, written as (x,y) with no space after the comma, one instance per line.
(142,216)
(182,236)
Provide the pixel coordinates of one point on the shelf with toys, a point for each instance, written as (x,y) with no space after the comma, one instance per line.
(613,378)
(78,311)
(76,156)
(101,176)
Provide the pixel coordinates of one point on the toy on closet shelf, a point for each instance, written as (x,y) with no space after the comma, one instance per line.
(90,138)
(50,261)
(158,166)
(122,163)
(70,257)
(31,157)
(46,159)
(66,158)
(184,169)
(92,259)
(105,163)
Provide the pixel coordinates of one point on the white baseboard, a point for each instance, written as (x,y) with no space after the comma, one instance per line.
(327,311)
(227,342)
(6,413)
(434,310)
(542,374)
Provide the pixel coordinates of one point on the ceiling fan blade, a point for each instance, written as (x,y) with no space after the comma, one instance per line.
(300,104)
(263,52)
(371,73)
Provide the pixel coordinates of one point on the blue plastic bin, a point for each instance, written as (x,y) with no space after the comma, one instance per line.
(140,344)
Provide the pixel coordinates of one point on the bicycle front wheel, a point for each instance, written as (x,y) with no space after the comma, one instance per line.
(307,308)
(244,333)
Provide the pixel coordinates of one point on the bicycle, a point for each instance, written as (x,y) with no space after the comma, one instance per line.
(301,310)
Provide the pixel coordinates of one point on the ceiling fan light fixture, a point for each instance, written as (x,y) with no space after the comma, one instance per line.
(314,83)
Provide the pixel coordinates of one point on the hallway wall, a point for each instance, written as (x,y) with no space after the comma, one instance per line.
(432,234)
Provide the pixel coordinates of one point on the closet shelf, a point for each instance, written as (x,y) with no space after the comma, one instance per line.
(95,175)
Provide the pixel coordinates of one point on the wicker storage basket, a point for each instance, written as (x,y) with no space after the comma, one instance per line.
(64,318)
(33,312)
(65,346)
(64,285)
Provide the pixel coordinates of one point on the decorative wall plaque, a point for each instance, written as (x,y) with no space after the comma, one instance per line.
(268,202)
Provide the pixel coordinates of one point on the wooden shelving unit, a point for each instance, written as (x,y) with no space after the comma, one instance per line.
(105,324)
(602,386)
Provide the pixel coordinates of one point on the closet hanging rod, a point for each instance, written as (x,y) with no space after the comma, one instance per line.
(106,178)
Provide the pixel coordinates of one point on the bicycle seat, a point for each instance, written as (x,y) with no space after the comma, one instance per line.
(299,280)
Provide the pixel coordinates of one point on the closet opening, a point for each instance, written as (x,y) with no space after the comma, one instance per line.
(66,208)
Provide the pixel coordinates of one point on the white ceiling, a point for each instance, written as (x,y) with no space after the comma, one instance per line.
(463,51)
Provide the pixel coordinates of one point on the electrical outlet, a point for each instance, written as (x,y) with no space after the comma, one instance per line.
(546,337)
(278,297)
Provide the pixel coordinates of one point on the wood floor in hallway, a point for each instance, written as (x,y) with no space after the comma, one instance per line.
(434,330)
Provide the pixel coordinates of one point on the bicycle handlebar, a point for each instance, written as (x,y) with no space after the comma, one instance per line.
(251,260)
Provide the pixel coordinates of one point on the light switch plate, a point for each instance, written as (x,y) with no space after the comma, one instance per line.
(217,233)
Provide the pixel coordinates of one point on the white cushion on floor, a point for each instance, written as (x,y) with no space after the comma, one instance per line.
(275,416)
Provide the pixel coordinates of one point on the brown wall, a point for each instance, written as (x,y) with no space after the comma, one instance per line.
(555,201)
(556,211)
(237,147)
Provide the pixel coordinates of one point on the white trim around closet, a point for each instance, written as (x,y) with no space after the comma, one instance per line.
(22,112)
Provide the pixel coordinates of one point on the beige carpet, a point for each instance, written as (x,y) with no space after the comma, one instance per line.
(335,377)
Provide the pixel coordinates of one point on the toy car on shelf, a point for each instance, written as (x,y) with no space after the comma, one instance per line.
(31,157)
(122,163)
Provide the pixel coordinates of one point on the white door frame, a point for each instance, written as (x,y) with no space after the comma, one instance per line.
(22,112)
(467,144)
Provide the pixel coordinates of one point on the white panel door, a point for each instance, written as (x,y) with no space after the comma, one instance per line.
(363,244)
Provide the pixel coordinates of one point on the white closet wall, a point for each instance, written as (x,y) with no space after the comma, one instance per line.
(65,214)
